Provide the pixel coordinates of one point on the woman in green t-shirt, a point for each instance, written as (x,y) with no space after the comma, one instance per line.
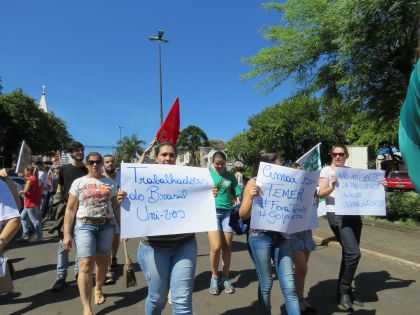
(228,193)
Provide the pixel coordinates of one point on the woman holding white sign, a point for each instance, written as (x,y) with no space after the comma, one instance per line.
(346,228)
(228,193)
(168,261)
(268,245)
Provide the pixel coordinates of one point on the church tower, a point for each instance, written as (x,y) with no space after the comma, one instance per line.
(43,100)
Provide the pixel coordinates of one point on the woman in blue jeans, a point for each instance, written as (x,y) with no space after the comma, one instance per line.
(266,246)
(168,261)
(32,201)
(92,203)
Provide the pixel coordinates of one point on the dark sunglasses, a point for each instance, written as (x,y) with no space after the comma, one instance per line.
(338,154)
(92,162)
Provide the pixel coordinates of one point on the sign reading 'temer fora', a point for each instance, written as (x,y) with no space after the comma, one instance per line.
(166,199)
(285,200)
(359,192)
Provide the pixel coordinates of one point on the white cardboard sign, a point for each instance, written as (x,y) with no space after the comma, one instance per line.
(166,199)
(285,200)
(359,192)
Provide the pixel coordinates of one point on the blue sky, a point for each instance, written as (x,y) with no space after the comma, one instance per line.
(101,71)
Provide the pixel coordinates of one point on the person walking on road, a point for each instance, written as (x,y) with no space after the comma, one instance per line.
(111,173)
(269,245)
(168,261)
(346,228)
(32,200)
(93,201)
(68,173)
(228,194)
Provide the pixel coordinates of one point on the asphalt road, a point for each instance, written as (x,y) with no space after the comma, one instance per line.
(386,289)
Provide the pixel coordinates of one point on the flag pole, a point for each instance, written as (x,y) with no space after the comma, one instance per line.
(147,151)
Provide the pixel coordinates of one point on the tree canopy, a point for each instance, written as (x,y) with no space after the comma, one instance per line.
(351,61)
(191,138)
(129,149)
(353,56)
(22,119)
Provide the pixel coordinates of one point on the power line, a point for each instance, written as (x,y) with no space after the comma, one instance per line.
(96,146)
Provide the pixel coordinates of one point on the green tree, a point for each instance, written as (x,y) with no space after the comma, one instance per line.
(129,149)
(22,119)
(290,127)
(191,138)
(354,55)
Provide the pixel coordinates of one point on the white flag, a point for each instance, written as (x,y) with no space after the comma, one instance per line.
(311,160)
(25,158)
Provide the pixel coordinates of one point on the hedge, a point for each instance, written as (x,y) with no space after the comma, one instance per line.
(403,206)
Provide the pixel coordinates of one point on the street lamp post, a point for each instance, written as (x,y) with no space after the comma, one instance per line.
(120,127)
(160,38)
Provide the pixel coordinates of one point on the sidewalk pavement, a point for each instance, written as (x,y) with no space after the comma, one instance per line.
(387,242)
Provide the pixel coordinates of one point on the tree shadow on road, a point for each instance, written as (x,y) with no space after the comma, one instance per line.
(239,246)
(127,299)
(33,271)
(247,310)
(378,281)
(323,295)
(40,299)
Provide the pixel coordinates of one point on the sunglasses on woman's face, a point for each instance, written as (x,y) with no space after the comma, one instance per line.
(338,154)
(92,162)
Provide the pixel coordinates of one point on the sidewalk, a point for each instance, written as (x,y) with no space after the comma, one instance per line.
(387,242)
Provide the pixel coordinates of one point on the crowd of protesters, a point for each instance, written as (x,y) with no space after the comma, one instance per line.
(85,210)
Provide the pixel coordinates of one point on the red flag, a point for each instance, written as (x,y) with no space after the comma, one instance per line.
(169,130)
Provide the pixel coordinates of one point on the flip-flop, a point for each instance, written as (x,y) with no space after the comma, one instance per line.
(99,297)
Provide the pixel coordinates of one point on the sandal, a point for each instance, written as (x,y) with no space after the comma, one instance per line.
(99,297)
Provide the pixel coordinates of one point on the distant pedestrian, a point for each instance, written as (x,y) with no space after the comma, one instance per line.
(93,202)
(269,245)
(228,194)
(45,187)
(240,179)
(68,173)
(32,193)
(111,172)
(346,228)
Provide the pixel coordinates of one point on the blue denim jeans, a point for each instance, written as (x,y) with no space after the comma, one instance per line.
(264,247)
(169,268)
(347,229)
(32,213)
(91,239)
(63,260)
(222,217)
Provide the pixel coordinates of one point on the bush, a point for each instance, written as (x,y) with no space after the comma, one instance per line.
(403,206)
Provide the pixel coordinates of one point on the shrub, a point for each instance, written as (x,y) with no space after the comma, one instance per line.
(403,205)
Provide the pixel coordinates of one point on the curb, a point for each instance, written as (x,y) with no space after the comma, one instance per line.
(330,242)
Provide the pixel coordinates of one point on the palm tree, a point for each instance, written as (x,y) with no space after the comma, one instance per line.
(129,149)
(191,138)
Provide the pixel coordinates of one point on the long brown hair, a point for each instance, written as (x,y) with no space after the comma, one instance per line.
(265,156)
(33,170)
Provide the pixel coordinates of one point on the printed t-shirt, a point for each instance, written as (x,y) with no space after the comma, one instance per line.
(94,196)
(68,173)
(8,208)
(34,196)
(228,190)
